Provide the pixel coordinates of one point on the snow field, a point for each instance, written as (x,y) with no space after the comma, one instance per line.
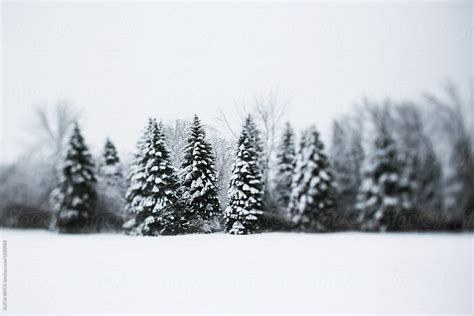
(274,272)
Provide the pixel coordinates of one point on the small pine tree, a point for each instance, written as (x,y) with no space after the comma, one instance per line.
(380,198)
(110,187)
(110,156)
(244,211)
(74,199)
(198,180)
(152,197)
(110,168)
(312,196)
(286,163)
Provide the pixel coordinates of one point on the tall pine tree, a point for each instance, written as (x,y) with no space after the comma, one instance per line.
(262,165)
(198,180)
(152,197)
(421,178)
(74,199)
(256,142)
(381,195)
(286,163)
(429,191)
(346,161)
(312,196)
(244,211)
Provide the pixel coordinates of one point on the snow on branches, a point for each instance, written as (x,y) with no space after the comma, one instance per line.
(312,195)
(245,208)
(198,180)
(152,197)
(74,198)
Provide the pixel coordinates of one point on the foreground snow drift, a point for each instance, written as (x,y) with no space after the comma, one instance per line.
(345,272)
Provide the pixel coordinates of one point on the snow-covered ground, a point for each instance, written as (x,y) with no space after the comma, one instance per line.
(277,272)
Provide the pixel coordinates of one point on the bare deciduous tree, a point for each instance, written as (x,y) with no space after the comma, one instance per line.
(453,124)
(27,183)
(224,153)
(269,112)
(52,127)
(176,136)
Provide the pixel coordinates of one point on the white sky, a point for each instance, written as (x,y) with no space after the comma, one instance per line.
(123,62)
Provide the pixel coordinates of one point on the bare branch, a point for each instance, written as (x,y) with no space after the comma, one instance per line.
(223,119)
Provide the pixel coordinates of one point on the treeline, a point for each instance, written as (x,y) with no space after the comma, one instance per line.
(389,167)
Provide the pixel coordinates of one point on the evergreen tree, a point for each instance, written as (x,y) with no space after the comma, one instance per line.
(258,146)
(421,176)
(380,198)
(110,168)
(244,211)
(346,161)
(262,164)
(152,195)
(198,179)
(312,196)
(429,190)
(110,187)
(74,199)
(110,155)
(286,163)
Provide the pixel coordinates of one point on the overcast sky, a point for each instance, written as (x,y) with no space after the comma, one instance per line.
(122,62)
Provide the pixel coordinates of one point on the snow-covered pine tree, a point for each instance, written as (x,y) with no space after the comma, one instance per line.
(74,199)
(137,210)
(380,198)
(110,158)
(346,157)
(421,178)
(262,161)
(110,188)
(286,163)
(244,211)
(256,142)
(152,197)
(198,181)
(169,209)
(110,168)
(312,195)
(409,213)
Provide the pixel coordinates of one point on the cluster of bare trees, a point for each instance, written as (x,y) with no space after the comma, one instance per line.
(434,146)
